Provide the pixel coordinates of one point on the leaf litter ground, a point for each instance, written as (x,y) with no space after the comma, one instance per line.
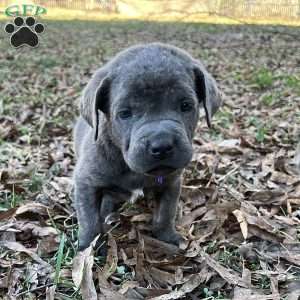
(240,206)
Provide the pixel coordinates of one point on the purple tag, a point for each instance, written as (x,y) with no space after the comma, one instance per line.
(159,179)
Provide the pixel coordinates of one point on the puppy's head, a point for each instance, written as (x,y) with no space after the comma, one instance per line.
(150,96)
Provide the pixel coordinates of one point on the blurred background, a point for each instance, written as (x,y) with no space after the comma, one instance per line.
(265,11)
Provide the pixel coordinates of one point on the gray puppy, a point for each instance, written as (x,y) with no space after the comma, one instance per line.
(138,116)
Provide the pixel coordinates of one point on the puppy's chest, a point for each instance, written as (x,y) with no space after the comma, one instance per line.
(138,185)
(133,181)
(135,195)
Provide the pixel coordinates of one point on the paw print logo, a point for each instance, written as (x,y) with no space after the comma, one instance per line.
(24,32)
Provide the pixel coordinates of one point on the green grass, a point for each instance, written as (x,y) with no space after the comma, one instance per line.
(210,295)
(47,62)
(36,182)
(224,117)
(59,258)
(261,129)
(261,133)
(230,257)
(269,99)
(63,258)
(293,82)
(263,282)
(13,200)
(263,78)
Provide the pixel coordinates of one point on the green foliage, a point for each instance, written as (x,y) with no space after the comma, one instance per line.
(293,82)
(229,257)
(47,62)
(35,183)
(59,259)
(263,78)
(261,133)
(224,117)
(263,282)
(268,99)
(261,129)
(210,295)
(14,199)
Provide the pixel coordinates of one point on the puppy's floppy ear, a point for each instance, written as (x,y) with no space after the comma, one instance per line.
(95,97)
(207,91)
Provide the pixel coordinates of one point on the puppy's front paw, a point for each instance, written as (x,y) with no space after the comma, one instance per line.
(83,244)
(169,236)
(84,240)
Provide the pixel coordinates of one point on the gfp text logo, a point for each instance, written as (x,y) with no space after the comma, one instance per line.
(24,10)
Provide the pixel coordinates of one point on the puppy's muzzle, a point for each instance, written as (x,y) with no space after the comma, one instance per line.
(161,146)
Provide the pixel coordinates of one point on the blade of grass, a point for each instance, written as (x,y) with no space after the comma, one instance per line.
(59,259)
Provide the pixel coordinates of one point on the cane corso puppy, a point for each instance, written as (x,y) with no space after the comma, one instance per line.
(138,116)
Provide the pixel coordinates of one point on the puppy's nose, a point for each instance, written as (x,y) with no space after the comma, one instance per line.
(161,149)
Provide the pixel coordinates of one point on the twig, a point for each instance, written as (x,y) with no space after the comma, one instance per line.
(35,289)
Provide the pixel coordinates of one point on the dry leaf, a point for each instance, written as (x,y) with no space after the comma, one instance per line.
(293,290)
(32,207)
(194,281)
(193,215)
(249,294)
(109,294)
(15,246)
(229,275)
(242,221)
(110,264)
(82,274)
(50,292)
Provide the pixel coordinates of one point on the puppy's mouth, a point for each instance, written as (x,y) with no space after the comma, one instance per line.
(161,171)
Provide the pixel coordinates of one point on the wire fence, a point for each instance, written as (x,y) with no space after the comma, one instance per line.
(261,9)
(257,9)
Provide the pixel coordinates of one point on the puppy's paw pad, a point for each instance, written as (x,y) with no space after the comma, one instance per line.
(82,247)
(171,237)
(176,239)
(84,243)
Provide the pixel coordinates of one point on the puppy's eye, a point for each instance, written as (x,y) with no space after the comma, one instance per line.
(186,106)
(125,114)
